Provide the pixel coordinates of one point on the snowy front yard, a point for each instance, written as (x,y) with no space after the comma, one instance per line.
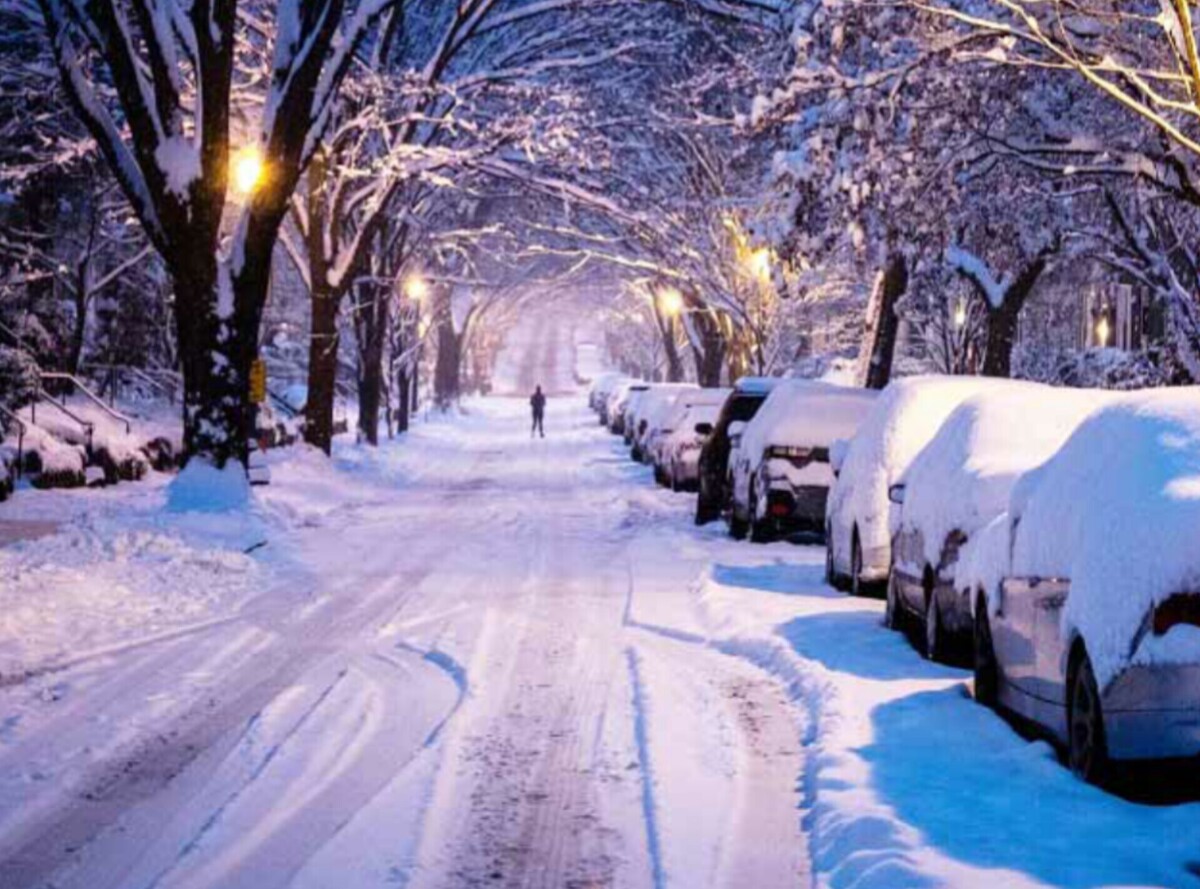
(472,659)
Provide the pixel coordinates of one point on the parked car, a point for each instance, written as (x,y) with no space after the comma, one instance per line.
(649,413)
(618,403)
(602,387)
(675,450)
(712,496)
(1087,590)
(956,485)
(905,417)
(780,470)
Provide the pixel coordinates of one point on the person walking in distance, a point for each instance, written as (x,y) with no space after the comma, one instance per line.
(538,403)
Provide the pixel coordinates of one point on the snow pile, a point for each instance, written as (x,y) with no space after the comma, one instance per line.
(1117,511)
(801,413)
(963,478)
(202,487)
(101,582)
(904,419)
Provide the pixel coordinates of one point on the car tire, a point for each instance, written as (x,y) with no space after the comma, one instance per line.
(893,614)
(1087,747)
(856,565)
(935,633)
(759,533)
(738,528)
(986,667)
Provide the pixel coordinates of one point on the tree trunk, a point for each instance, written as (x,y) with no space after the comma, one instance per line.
(884,327)
(446,382)
(708,350)
(215,355)
(372,333)
(403,393)
(322,369)
(1002,321)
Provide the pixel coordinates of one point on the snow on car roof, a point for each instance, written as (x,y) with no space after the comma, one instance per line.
(962,479)
(905,417)
(1117,511)
(807,413)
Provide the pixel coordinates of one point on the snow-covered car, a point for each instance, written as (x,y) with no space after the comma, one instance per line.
(905,417)
(780,470)
(618,403)
(1087,590)
(712,495)
(957,484)
(674,449)
(650,412)
(602,387)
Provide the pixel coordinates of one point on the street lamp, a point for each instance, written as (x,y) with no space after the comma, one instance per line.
(760,264)
(415,288)
(1102,329)
(248,169)
(670,302)
(960,314)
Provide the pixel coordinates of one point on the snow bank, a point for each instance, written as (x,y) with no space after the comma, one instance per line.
(802,413)
(1117,511)
(904,419)
(963,478)
(202,487)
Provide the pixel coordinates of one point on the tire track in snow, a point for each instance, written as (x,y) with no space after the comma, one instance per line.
(646,770)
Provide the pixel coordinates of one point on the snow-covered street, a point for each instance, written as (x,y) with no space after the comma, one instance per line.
(479,659)
(434,673)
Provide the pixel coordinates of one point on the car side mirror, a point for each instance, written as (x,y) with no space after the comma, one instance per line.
(704,429)
(736,428)
(896,494)
(837,455)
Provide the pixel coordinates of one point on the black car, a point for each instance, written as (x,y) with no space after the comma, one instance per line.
(748,396)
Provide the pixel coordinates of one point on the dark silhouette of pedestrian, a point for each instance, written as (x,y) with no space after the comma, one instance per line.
(538,403)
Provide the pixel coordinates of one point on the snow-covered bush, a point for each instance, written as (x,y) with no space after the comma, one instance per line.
(1093,369)
(18,377)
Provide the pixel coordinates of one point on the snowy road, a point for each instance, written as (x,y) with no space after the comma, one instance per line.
(475,659)
(442,682)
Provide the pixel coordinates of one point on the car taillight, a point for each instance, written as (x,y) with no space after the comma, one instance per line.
(780,510)
(1181,608)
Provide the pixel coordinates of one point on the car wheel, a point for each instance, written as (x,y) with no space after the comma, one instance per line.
(1087,749)
(935,636)
(987,669)
(893,617)
(738,528)
(856,565)
(759,533)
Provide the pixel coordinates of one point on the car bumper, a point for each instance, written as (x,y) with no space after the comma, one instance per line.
(789,509)
(1153,712)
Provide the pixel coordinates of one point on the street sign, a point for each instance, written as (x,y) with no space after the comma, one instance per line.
(258,381)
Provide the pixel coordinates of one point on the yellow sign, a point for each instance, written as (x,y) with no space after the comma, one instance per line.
(258,381)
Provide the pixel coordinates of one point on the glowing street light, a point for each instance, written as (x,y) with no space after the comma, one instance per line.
(1102,329)
(415,288)
(670,302)
(960,314)
(248,169)
(760,264)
